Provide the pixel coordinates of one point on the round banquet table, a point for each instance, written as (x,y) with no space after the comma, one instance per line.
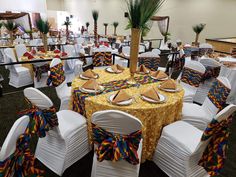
(153,116)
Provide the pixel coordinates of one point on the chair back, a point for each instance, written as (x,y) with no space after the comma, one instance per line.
(10,58)
(205,48)
(70,64)
(116,121)
(79,40)
(70,50)
(19,41)
(150,59)
(126,50)
(219,93)
(9,145)
(20,50)
(210,62)
(38,98)
(156,51)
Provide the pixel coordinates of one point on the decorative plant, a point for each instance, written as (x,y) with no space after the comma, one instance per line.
(145,30)
(115,24)
(87,25)
(43,26)
(166,37)
(198,29)
(95,19)
(105,24)
(67,23)
(1,25)
(11,27)
(140,12)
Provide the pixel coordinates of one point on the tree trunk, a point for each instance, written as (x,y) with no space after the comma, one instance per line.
(105,30)
(45,42)
(11,37)
(114,31)
(95,33)
(67,32)
(196,39)
(134,50)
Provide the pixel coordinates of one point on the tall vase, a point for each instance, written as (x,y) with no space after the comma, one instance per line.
(67,32)
(134,51)
(105,30)
(95,33)
(114,31)
(196,40)
(45,42)
(11,37)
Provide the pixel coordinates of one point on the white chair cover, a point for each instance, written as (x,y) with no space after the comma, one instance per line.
(20,50)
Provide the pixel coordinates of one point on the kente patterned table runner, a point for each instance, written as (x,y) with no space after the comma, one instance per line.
(79,97)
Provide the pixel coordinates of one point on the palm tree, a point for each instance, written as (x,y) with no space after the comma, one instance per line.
(140,12)
(67,23)
(105,24)
(198,29)
(11,27)
(115,24)
(95,19)
(43,26)
(87,25)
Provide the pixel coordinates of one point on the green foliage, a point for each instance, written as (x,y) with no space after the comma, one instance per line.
(146,29)
(198,28)
(140,12)
(105,24)
(95,15)
(1,25)
(10,25)
(87,24)
(115,24)
(43,26)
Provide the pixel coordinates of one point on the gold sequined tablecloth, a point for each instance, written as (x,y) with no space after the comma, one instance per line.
(153,116)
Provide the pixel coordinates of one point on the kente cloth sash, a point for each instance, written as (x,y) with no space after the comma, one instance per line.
(79,97)
(191,77)
(214,155)
(211,72)
(39,70)
(205,51)
(151,63)
(40,120)
(102,59)
(218,94)
(57,75)
(115,147)
(177,65)
(22,162)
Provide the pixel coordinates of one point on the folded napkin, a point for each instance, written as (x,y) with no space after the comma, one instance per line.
(33,51)
(117,68)
(121,95)
(26,54)
(57,51)
(151,93)
(169,84)
(30,56)
(142,69)
(90,74)
(43,51)
(63,54)
(91,85)
(57,56)
(158,74)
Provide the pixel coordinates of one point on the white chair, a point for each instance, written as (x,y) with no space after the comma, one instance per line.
(180,148)
(65,144)
(72,67)
(19,76)
(80,40)
(9,145)
(204,87)
(200,116)
(20,50)
(205,48)
(156,51)
(19,41)
(121,123)
(190,90)
(126,50)
(63,91)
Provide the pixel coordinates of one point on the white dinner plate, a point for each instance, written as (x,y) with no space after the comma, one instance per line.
(87,78)
(162,99)
(84,90)
(110,70)
(163,79)
(122,103)
(170,90)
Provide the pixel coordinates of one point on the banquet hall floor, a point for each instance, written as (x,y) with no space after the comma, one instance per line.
(13,101)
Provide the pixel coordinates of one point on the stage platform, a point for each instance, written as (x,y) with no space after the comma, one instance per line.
(223,45)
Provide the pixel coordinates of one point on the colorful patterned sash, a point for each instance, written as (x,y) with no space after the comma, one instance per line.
(150,62)
(115,147)
(215,154)
(79,97)
(57,75)
(102,59)
(218,94)
(211,72)
(39,70)
(191,77)
(21,163)
(40,120)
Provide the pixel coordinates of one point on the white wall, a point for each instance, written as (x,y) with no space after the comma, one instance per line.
(219,16)
(24,5)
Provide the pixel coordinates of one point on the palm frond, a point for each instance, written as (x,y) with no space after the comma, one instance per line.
(1,25)
(87,24)
(198,28)
(43,26)
(67,23)
(146,29)
(105,24)
(10,25)
(115,24)
(95,15)
(140,12)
